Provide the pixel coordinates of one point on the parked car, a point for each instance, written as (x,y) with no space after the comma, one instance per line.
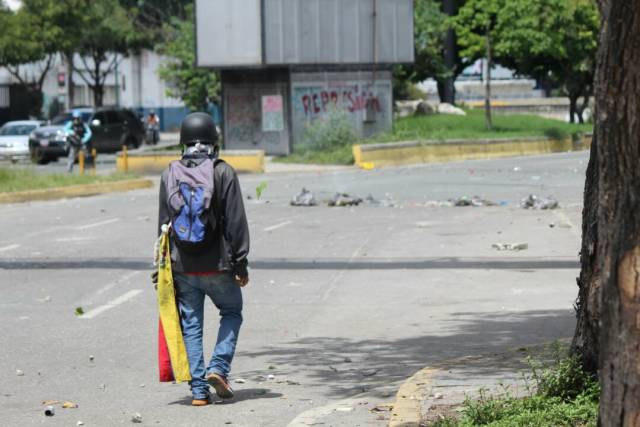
(14,139)
(111,128)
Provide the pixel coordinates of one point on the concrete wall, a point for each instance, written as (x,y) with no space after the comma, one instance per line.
(243,93)
(365,98)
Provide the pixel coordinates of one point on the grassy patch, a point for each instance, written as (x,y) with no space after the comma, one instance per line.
(441,127)
(12,180)
(341,155)
(561,395)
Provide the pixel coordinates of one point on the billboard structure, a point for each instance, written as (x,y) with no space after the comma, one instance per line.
(286,63)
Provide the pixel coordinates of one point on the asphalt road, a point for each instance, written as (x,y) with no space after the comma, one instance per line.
(343,304)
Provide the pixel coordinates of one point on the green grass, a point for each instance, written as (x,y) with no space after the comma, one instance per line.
(12,180)
(333,156)
(442,127)
(563,395)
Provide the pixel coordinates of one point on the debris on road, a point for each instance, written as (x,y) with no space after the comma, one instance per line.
(80,423)
(19,373)
(370,373)
(347,360)
(535,202)
(136,418)
(382,407)
(271,377)
(438,396)
(343,199)
(240,381)
(510,246)
(47,299)
(79,311)
(304,198)
(475,201)
(344,409)
(91,358)
(49,411)
(50,402)
(69,405)
(271,367)
(387,202)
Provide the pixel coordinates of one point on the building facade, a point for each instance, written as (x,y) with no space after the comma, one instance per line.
(135,84)
(287,63)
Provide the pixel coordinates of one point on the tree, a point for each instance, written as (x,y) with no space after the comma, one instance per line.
(553,41)
(476,26)
(107,34)
(618,150)
(195,86)
(32,36)
(430,28)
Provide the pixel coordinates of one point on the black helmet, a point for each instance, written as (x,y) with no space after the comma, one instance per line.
(198,128)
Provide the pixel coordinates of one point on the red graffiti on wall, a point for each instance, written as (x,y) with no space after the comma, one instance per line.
(348,99)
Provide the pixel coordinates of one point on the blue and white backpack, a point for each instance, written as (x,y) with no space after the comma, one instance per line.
(190,192)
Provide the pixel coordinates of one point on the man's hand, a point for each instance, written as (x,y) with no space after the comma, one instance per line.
(242,281)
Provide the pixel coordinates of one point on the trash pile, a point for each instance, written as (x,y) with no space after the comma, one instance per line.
(474,201)
(343,199)
(387,202)
(304,198)
(535,202)
(510,246)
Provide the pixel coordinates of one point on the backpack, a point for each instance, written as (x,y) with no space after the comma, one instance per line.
(190,192)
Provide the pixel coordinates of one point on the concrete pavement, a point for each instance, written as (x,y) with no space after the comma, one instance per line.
(344,304)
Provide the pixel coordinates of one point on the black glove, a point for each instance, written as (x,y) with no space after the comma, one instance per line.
(154,279)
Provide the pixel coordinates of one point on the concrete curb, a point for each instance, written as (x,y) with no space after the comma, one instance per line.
(370,156)
(407,409)
(75,191)
(250,161)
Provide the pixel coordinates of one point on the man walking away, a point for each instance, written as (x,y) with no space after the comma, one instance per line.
(78,136)
(201,200)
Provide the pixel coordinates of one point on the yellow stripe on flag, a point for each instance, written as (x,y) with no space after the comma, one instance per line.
(169,314)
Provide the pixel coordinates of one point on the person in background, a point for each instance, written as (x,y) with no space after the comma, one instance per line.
(78,137)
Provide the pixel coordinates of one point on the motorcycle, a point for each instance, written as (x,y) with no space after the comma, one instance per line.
(152,134)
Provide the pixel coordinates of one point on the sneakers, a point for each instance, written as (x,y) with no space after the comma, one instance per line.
(200,402)
(221,385)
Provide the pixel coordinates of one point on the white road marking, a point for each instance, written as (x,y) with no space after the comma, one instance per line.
(74,239)
(111,304)
(563,217)
(98,224)
(8,248)
(275,227)
(122,279)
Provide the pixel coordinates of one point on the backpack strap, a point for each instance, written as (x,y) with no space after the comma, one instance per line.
(218,217)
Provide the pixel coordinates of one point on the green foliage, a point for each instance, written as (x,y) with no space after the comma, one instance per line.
(441,127)
(195,86)
(19,179)
(475,20)
(330,131)
(260,189)
(430,29)
(564,396)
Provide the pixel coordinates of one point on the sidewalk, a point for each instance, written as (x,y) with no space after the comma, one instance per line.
(438,390)
(273,167)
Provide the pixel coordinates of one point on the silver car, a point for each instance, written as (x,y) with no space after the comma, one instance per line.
(14,139)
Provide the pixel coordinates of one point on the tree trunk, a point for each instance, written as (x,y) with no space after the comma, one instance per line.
(585,340)
(573,107)
(618,136)
(448,94)
(487,85)
(70,86)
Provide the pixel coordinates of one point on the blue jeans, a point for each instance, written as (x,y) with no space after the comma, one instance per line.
(227,297)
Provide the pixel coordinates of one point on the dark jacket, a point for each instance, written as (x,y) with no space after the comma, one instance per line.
(230,246)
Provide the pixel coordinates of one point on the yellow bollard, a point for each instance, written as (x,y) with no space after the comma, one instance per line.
(125,159)
(81,161)
(94,154)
